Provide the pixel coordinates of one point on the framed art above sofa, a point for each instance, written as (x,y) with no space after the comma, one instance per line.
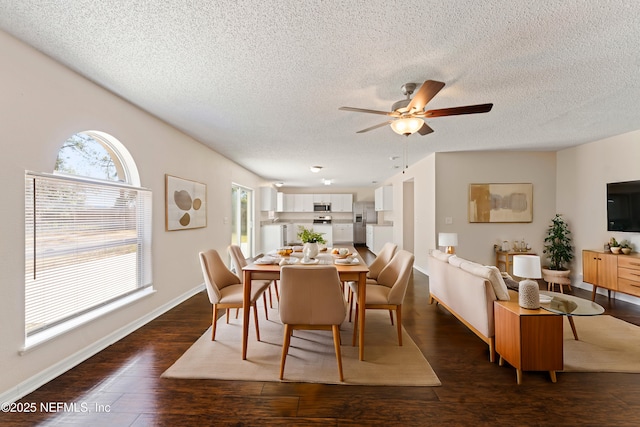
(501,202)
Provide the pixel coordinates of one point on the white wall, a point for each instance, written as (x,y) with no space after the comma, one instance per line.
(455,171)
(583,173)
(422,173)
(441,184)
(42,104)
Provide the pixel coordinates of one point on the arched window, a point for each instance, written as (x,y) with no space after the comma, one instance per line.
(87,236)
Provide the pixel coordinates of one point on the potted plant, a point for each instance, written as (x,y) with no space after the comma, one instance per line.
(626,247)
(310,239)
(614,246)
(557,247)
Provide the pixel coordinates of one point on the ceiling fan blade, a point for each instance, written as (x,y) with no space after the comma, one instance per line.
(425,130)
(364,110)
(375,127)
(456,111)
(427,91)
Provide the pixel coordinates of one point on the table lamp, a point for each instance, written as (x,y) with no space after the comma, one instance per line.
(528,267)
(450,240)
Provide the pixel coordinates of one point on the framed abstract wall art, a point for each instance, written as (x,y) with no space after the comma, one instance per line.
(500,203)
(185,204)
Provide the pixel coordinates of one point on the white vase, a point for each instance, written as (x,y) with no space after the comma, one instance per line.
(529,294)
(311,249)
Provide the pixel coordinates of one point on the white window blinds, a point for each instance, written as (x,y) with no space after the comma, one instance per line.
(88,243)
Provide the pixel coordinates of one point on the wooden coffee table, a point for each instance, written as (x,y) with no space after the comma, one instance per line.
(568,305)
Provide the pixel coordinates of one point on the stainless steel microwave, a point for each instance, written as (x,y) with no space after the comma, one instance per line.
(322,207)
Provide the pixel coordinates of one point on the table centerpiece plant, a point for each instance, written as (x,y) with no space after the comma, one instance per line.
(310,239)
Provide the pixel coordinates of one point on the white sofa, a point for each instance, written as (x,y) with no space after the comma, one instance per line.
(468,290)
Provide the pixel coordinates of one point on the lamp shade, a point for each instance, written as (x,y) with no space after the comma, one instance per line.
(407,126)
(447,239)
(527,266)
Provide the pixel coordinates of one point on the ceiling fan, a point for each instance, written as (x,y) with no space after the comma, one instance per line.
(409,113)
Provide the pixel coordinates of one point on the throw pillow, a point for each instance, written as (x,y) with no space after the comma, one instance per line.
(499,286)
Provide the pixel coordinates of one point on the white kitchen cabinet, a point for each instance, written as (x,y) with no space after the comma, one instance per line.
(377,236)
(343,233)
(287,203)
(268,199)
(280,202)
(384,198)
(322,198)
(303,203)
(341,202)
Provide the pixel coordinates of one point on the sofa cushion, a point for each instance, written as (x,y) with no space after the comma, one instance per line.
(492,274)
(456,260)
(438,254)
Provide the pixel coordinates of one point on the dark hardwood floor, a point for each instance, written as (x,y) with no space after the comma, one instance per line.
(121,386)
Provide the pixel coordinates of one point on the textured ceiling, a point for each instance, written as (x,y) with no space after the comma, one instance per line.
(261,81)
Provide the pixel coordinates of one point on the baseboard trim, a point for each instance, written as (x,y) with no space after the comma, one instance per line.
(603,291)
(421,270)
(43,377)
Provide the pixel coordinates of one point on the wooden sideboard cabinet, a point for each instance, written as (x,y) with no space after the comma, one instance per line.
(613,272)
(629,274)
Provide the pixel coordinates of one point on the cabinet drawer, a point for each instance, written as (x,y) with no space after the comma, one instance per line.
(629,262)
(627,286)
(629,274)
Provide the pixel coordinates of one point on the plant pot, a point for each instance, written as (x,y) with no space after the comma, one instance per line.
(615,249)
(312,249)
(626,251)
(560,277)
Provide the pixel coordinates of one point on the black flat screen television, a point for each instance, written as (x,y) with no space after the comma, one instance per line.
(623,206)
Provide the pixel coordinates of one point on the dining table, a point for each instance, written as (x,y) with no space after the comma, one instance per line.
(354,271)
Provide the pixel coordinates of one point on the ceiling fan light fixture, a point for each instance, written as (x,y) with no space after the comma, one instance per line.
(407,126)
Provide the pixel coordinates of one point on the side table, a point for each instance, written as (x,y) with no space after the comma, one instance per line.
(505,259)
(529,340)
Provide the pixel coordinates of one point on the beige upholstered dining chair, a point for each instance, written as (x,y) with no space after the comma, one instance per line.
(239,262)
(383,258)
(389,292)
(387,252)
(311,298)
(225,289)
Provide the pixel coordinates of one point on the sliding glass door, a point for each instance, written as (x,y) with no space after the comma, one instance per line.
(242,218)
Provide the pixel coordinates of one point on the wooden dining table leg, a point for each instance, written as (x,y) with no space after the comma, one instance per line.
(246,303)
(362,302)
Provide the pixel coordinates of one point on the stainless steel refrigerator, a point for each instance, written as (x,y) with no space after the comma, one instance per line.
(363,213)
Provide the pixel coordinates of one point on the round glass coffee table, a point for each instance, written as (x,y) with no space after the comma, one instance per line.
(568,305)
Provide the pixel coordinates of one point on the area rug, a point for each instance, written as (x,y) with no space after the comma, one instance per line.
(605,344)
(311,356)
